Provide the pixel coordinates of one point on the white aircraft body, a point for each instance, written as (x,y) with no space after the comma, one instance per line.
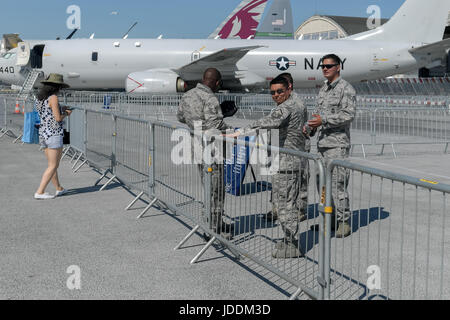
(410,40)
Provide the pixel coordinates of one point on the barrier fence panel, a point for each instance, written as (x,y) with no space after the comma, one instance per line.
(76,126)
(132,153)
(398,245)
(3,118)
(431,124)
(99,139)
(177,179)
(399,241)
(13,115)
(256,181)
(216,196)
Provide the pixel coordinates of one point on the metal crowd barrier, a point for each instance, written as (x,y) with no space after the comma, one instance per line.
(397,248)
(405,86)
(77,137)
(148,156)
(399,245)
(12,115)
(178,183)
(400,130)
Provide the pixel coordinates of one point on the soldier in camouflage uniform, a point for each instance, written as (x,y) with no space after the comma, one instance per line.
(335,111)
(200,108)
(305,173)
(289,119)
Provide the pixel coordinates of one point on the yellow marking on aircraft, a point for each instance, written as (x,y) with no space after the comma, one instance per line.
(428,181)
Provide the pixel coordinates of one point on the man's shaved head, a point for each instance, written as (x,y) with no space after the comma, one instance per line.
(212,78)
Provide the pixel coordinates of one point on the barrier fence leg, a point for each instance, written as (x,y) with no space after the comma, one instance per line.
(17,139)
(206,247)
(207,194)
(78,159)
(107,183)
(74,155)
(65,152)
(79,167)
(296,294)
(236,254)
(393,150)
(101,178)
(6,131)
(328,212)
(382,149)
(187,237)
(147,208)
(134,201)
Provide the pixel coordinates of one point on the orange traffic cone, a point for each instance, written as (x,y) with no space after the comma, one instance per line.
(17,109)
(23,109)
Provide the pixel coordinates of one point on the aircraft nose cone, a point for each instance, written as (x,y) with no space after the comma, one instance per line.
(132,85)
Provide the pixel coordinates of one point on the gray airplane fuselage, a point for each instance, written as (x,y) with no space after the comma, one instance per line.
(117,59)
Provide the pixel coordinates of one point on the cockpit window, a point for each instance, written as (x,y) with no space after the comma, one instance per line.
(9,55)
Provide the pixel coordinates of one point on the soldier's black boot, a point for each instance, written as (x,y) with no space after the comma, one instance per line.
(271,216)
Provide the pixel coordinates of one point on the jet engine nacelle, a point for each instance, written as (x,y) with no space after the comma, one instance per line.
(155,81)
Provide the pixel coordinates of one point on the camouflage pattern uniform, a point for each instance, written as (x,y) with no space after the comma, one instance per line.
(200,105)
(302,106)
(305,173)
(289,118)
(336,105)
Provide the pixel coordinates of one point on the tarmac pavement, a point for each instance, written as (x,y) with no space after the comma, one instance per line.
(119,257)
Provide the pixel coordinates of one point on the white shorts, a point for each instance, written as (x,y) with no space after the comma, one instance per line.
(53,142)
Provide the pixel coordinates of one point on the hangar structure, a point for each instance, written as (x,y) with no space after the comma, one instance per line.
(324,27)
(321,27)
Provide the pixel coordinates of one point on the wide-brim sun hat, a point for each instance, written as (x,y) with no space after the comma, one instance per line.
(55,79)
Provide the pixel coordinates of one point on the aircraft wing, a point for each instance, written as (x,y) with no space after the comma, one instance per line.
(224,60)
(432,52)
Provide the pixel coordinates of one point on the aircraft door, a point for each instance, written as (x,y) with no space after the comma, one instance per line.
(36,56)
(23,54)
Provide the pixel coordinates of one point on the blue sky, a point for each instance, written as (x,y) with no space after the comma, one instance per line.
(46,19)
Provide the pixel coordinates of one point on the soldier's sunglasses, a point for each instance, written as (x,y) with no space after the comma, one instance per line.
(279,91)
(328,66)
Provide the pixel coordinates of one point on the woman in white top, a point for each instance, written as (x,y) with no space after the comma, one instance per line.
(51,132)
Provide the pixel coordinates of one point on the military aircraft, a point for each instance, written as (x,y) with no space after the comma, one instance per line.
(410,40)
(18,62)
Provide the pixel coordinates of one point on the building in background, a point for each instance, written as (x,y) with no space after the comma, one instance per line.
(321,27)
(331,27)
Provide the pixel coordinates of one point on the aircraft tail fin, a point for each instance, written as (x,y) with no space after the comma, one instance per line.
(242,22)
(278,22)
(415,21)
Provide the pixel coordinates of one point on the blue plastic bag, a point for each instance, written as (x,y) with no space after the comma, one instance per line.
(236,167)
(30,129)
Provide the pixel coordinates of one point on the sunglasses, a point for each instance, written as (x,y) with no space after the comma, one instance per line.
(328,66)
(279,91)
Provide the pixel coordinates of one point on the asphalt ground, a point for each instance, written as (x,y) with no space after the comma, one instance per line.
(119,257)
(349,280)
(124,258)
